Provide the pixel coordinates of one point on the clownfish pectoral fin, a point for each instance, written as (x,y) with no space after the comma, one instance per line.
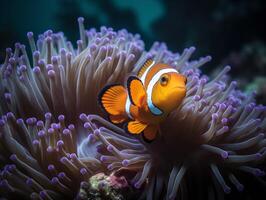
(135,127)
(112,99)
(136,91)
(150,133)
(117,119)
(144,67)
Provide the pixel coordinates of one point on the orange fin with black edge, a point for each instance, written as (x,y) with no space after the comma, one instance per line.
(150,133)
(136,91)
(112,99)
(144,67)
(117,119)
(135,127)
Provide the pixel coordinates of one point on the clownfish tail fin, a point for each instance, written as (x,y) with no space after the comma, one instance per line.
(112,99)
(150,133)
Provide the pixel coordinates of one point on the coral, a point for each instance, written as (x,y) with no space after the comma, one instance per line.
(251,54)
(258,85)
(252,78)
(110,187)
(54,136)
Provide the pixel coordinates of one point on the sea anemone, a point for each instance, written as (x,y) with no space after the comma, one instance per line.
(54,136)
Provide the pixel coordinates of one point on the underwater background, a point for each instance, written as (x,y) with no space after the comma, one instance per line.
(232,32)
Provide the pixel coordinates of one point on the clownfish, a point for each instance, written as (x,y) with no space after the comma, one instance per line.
(146,100)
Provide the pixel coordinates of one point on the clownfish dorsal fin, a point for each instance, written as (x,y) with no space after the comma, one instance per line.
(144,67)
(136,91)
(135,127)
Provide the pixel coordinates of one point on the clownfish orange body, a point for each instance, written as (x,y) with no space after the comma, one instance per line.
(147,99)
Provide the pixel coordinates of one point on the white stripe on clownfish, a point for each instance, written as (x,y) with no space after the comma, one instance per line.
(128,104)
(143,77)
(155,78)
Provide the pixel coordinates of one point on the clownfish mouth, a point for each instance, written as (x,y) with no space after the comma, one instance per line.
(180,87)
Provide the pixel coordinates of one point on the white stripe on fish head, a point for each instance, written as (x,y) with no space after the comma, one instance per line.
(151,84)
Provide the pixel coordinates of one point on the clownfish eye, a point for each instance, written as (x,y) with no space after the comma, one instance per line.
(164,80)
